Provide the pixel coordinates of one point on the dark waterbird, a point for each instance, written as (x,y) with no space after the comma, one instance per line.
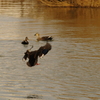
(25,41)
(33,55)
(44,38)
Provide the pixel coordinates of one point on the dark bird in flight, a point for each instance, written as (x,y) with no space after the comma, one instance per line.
(44,38)
(25,41)
(33,55)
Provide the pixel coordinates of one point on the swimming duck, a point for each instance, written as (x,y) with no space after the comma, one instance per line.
(44,38)
(33,55)
(25,41)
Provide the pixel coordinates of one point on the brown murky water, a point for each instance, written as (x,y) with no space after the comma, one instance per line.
(70,71)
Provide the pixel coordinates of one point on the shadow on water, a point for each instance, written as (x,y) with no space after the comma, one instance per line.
(34,97)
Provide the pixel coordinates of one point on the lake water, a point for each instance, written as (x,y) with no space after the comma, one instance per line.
(70,71)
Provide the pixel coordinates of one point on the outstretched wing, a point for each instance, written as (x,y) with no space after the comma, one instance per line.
(43,50)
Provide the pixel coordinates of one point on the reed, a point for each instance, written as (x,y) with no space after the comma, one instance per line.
(72,3)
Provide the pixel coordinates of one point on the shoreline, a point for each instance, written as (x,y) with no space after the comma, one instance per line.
(80,4)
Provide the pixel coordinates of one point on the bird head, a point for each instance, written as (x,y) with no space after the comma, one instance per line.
(26,38)
(26,54)
(37,34)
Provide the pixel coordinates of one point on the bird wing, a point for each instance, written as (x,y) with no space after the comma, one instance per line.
(46,38)
(33,59)
(43,50)
(25,42)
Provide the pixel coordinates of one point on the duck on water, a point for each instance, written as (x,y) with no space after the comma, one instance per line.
(44,38)
(33,55)
(25,41)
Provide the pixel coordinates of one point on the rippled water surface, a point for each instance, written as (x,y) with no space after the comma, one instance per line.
(70,71)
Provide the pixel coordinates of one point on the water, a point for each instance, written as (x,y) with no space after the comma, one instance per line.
(70,71)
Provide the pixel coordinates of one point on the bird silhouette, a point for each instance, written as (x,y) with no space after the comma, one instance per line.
(33,55)
(25,41)
(44,38)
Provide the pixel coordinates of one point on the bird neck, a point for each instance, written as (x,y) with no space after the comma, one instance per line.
(25,39)
(38,36)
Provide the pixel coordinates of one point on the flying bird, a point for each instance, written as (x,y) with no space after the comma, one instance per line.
(33,55)
(44,38)
(25,41)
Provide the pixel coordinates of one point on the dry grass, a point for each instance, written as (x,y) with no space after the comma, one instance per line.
(55,3)
(72,3)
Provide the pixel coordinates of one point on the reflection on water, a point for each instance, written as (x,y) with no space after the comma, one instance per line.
(70,71)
